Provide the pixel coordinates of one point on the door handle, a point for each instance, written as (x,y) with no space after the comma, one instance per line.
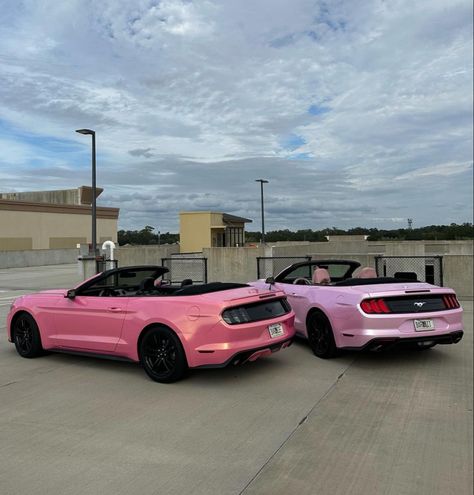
(114,310)
(294,294)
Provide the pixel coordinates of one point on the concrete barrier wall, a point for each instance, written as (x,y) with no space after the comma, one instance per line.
(458,274)
(144,255)
(232,264)
(37,257)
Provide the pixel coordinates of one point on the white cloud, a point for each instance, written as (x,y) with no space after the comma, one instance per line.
(201,97)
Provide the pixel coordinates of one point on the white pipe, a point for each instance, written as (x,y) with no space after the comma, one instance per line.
(111,245)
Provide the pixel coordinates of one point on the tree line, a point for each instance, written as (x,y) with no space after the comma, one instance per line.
(454,231)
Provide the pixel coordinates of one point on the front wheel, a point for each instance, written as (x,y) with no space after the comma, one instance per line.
(26,336)
(162,355)
(320,336)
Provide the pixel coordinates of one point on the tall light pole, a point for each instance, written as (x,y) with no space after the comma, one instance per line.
(94,209)
(262,181)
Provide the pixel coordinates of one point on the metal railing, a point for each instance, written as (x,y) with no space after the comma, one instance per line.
(181,268)
(423,268)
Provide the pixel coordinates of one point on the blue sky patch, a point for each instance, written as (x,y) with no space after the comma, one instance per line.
(292,142)
(318,110)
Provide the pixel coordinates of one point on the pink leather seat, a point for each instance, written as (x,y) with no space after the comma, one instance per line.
(366,272)
(321,276)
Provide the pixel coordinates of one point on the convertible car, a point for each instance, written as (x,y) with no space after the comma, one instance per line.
(339,305)
(131,313)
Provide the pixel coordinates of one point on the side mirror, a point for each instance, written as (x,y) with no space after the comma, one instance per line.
(270,280)
(70,294)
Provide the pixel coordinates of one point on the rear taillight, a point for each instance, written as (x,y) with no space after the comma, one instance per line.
(451,301)
(374,306)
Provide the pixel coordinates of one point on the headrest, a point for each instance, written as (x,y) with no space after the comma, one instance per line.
(186,281)
(321,276)
(147,283)
(366,272)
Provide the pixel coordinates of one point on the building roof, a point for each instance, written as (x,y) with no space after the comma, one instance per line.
(233,219)
(79,196)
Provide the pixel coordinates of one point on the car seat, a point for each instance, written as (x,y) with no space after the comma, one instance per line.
(321,277)
(366,272)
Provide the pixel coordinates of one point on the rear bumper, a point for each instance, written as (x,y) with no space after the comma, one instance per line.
(380,343)
(250,354)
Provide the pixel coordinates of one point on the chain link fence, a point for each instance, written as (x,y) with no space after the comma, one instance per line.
(270,266)
(181,268)
(423,268)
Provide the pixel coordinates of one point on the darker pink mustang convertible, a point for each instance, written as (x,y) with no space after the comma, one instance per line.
(130,313)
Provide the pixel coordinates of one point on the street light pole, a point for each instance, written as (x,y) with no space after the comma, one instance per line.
(262,181)
(94,194)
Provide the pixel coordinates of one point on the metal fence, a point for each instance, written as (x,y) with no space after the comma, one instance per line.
(102,265)
(269,266)
(181,268)
(423,268)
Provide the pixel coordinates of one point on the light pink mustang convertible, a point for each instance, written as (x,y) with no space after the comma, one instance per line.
(130,313)
(336,309)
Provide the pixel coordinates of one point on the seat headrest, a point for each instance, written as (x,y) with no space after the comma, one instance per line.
(321,276)
(366,272)
(147,283)
(186,281)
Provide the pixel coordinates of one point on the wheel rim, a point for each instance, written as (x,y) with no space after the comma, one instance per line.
(159,354)
(24,335)
(319,336)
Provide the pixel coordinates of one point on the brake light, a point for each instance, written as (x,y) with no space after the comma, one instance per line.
(374,306)
(451,301)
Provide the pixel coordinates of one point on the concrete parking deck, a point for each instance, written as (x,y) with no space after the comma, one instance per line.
(393,423)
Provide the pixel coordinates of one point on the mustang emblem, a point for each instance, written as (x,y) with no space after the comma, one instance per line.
(419,305)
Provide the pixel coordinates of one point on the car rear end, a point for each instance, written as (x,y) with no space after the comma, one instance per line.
(252,324)
(424,315)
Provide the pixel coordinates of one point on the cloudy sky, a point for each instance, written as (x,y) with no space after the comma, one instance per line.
(358,112)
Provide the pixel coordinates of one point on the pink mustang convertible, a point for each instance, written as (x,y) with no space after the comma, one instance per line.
(130,313)
(339,308)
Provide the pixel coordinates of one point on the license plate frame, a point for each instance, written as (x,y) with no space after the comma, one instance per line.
(426,325)
(275,330)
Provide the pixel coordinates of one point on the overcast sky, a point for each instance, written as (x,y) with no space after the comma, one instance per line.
(358,112)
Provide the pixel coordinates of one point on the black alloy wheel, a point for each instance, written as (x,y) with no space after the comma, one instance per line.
(320,336)
(26,336)
(162,355)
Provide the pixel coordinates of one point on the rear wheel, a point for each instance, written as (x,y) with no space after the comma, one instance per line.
(162,355)
(320,336)
(26,336)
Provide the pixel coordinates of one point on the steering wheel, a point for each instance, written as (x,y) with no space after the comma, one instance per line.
(107,293)
(301,281)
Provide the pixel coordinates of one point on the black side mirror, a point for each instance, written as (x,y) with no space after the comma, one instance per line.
(70,294)
(270,280)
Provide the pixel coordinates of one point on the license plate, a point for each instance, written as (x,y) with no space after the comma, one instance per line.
(275,330)
(423,325)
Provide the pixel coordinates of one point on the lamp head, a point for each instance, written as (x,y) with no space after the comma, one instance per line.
(85,131)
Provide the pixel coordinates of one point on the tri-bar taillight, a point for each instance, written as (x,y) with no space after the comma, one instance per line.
(451,301)
(409,304)
(375,306)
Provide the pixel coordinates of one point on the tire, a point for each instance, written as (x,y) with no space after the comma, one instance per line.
(162,355)
(320,336)
(26,336)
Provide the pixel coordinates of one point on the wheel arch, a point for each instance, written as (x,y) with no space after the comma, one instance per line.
(318,309)
(15,317)
(157,324)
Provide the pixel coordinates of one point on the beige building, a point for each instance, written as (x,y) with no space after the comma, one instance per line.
(53,219)
(204,229)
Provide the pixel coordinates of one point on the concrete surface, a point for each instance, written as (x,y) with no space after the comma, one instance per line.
(394,423)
